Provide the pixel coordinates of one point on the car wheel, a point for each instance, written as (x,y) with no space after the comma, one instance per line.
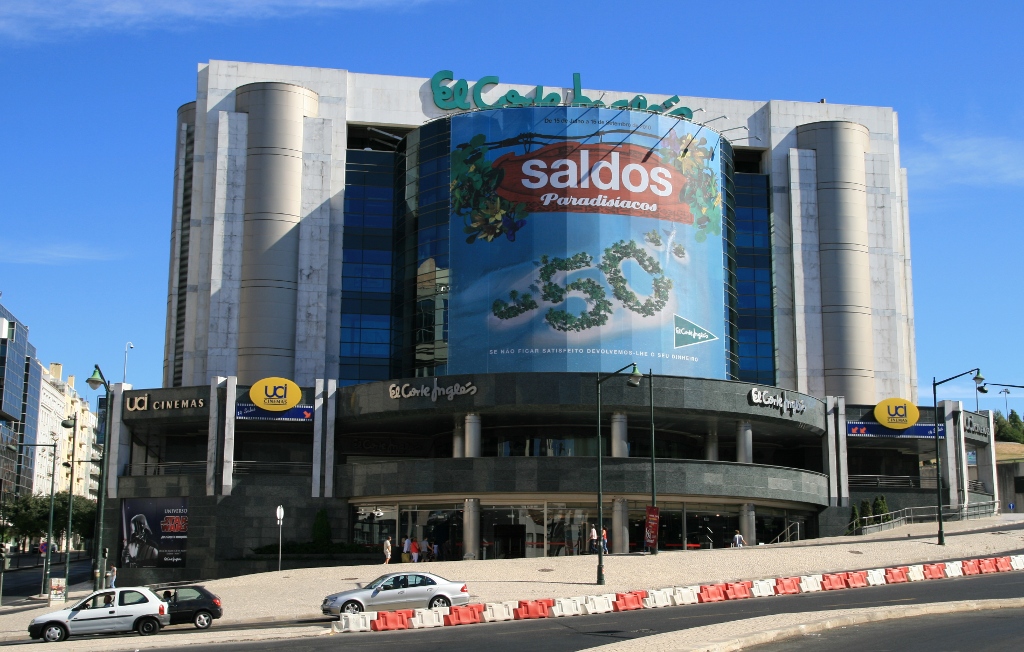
(54,633)
(147,627)
(351,607)
(202,620)
(439,601)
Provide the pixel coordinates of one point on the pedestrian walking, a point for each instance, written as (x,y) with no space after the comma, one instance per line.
(387,550)
(414,550)
(604,540)
(406,556)
(738,541)
(113,576)
(593,539)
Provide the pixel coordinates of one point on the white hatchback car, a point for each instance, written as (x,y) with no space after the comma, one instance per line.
(109,611)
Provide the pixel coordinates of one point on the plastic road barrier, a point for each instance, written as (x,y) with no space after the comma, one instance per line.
(565,607)
(424,618)
(354,622)
(857,579)
(915,573)
(597,604)
(833,581)
(810,583)
(876,577)
(463,616)
(762,588)
(1003,564)
(1017,562)
(628,601)
(934,571)
(971,567)
(530,609)
(787,586)
(954,568)
(987,565)
(657,598)
(685,595)
(737,591)
(895,575)
(711,593)
(496,612)
(391,620)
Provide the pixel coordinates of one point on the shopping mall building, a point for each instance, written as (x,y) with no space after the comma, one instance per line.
(391,298)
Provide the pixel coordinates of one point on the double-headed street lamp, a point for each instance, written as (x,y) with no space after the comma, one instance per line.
(45,589)
(632,381)
(71,423)
(978,380)
(95,381)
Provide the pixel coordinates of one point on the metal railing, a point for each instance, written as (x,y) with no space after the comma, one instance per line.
(240,468)
(274,468)
(168,468)
(891,481)
(35,559)
(974,485)
(908,515)
(791,533)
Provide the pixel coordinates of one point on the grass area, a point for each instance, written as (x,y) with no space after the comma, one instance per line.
(1008,450)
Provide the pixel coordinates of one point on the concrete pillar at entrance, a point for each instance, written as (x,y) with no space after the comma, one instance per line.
(473,446)
(459,437)
(619,534)
(744,442)
(711,446)
(620,447)
(747,528)
(471,529)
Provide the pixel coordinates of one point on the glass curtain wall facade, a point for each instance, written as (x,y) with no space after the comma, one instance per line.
(422,186)
(366,328)
(756,332)
(19,407)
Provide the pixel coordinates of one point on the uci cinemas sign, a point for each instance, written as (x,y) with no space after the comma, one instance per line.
(275,394)
(897,413)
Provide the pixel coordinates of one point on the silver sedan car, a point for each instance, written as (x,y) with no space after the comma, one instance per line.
(398,591)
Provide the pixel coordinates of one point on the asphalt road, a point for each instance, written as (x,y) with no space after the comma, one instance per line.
(566,634)
(23,583)
(980,631)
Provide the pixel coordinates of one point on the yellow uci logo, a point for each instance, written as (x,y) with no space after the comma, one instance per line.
(897,413)
(275,394)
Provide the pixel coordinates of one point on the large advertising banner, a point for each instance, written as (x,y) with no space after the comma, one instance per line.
(154,532)
(583,239)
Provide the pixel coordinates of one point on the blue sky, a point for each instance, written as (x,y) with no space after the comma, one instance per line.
(91,88)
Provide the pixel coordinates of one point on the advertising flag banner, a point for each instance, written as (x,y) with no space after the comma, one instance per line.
(583,239)
(154,532)
(651,529)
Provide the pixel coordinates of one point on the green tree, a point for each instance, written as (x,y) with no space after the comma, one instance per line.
(879,506)
(321,528)
(854,520)
(1011,429)
(865,509)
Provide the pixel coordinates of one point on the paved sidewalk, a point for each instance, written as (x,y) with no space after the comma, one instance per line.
(296,594)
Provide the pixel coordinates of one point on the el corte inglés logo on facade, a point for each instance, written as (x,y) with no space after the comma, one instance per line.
(897,413)
(275,394)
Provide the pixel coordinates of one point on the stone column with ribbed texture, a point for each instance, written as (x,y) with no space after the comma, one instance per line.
(620,438)
(270,245)
(841,181)
(744,442)
(472,434)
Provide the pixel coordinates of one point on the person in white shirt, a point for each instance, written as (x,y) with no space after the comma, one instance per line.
(387,550)
(593,539)
(738,541)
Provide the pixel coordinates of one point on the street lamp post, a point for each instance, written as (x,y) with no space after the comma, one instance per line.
(95,381)
(73,424)
(654,484)
(1006,402)
(45,589)
(280,530)
(978,380)
(124,378)
(632,381)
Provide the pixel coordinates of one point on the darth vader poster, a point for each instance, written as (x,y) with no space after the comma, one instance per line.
(154,532)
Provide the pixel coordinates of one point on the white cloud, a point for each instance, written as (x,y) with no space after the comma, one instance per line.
(953,159)
(50,255)
(27,19)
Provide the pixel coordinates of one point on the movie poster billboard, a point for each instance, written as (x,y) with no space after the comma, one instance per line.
(154,532)
(583,239)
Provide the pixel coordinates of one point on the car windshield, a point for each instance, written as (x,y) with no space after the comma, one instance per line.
(377,582)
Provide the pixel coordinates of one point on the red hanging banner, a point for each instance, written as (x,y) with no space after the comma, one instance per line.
(651,531)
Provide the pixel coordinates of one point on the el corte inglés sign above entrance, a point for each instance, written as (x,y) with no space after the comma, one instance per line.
(408,390)
(766,398)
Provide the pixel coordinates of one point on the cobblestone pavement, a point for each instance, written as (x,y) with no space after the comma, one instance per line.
(296,594)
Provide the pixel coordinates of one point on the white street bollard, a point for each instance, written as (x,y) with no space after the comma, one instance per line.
(810,583)
(915,573)
(597,604)
(954,569)
(876,577)
(657,598)
(496,612)
(763,588)
(1017,562)
(685,595)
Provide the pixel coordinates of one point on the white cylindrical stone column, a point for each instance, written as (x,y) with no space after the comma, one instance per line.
(744,442)
(473,445)
(268,296)
(619,534)
(747,524)
(620,444)
(843,248)
(459,437)
(471,529)
(711,446)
